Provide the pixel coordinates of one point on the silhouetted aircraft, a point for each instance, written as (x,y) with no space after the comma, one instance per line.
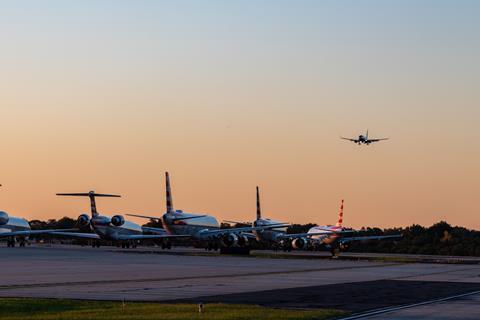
(363,139)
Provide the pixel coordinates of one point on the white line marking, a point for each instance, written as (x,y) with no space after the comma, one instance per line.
(392,309)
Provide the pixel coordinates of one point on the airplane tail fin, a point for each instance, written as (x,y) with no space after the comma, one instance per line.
(340,216)
(169,193)
(91,195)
(367,135)
(259,209)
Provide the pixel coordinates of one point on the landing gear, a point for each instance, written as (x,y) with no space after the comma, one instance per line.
(212,245)
(96,244)
(166,245)
(11,243)
(128,244)
(335,251)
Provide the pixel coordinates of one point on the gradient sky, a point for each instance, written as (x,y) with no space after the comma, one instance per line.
(227,95)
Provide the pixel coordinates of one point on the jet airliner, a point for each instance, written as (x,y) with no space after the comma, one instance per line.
(114,228)
(364,139)
(204,228)
(17,229)
(330,236)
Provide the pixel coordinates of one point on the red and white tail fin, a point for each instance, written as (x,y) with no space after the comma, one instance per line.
(340,216)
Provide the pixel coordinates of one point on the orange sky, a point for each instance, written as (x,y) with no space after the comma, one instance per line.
(109,95)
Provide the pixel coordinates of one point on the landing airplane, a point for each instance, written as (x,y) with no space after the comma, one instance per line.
(114,228)
(330,236)
(204,228)
(364,139)
(17,229)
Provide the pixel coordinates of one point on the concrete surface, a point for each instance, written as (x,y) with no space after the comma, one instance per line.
(144,274)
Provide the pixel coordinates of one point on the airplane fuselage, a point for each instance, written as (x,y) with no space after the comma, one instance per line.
(180,222)
(325,234)
(102,226)
(14,224)
(269,235)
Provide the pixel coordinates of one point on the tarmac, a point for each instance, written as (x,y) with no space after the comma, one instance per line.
(358,283)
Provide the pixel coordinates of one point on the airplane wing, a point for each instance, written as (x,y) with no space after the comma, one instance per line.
(219,232)
(376,140)
(154,230)
(30,232)
(349,139)
(157,218)
(151,236)
(249,235)
(361,238)
(306,234)
(78,235)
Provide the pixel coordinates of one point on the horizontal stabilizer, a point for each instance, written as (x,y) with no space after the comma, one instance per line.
(89,194)
(144,217)
(188,218)
(236,222)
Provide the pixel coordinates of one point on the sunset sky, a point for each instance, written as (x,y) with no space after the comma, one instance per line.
(227,95)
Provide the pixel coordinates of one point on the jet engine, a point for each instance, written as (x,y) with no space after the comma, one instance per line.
(229,240)
(118,220)
(83,220)
(243,241)
(299,243)
(3,218)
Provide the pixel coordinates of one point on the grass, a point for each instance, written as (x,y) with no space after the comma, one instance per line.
(56,309)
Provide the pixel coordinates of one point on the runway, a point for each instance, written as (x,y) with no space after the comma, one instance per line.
(147,274)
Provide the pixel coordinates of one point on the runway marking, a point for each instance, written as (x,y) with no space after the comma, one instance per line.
(236,275)
(397,308)
(430,274)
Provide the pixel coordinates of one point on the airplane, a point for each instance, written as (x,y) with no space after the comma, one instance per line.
(17,229)
(363,139)
(330,236)
(274,232)
(204,229)
(114,228)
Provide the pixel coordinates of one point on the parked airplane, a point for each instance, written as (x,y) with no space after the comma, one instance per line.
(274,235)
(114,228)
(364,139)
(18,230)
(330,236)
(204,228)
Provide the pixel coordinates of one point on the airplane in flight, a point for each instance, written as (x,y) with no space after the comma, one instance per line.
(205,229)
(364,139)
(331,236)
(17,229)
(114,228)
